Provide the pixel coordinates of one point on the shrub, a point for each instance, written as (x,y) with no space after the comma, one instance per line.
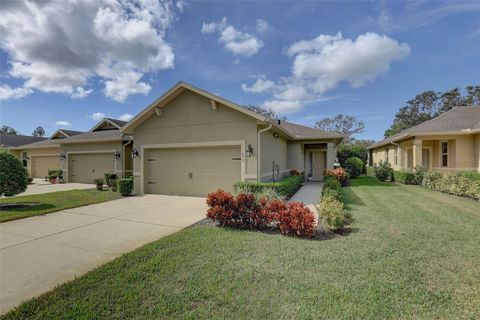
(294,172)
(286,187)
(331,183)
(13,175)
(333,193)
(348,151)
(296,220)
(383,171)
(332,213)
(340,174)
(30,180)
(111,179)
(370,171)
(409,176)
(125,186)
(461,184)
(98,181)
(354,167)
(222,207)
(55,173)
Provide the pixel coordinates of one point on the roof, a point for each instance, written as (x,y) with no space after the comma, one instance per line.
(71,132)
(47,143)
(114,123)
(303,132)
(16,140)
(289,129)
(458,120)
(106,135)
(119,123)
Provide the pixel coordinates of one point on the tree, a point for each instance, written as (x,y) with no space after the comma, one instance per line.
(13,175)
(360,142)
(39,132)
(9,130)
(344,124)
(430,104)
(266,113)
(345,152)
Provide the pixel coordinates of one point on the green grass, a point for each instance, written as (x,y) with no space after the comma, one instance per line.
(54,201)
(412,253)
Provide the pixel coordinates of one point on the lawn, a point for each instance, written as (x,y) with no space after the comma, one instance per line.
(54,201)
(412,253)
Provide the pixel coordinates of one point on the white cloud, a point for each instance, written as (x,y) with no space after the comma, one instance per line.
(62,123)
(237,42)
(80,93)
(261,85)
(7,92)
(125,117)
(320,64)
(262,25)
(58,46)
(279,106)
(97,116)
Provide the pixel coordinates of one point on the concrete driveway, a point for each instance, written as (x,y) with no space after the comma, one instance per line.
(40,186)
(40,252)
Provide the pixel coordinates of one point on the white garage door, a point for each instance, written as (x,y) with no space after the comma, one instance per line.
(191,171)
(83,168)
(41,164)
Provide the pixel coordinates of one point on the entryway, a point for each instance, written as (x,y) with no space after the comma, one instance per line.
(316,164)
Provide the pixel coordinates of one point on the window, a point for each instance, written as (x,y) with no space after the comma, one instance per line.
(396,156)
(444,153)
(25,159)
(386,155)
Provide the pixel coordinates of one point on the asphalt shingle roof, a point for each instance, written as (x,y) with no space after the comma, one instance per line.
(456,119)
(14,140)
(101,135)
(119,123)
(299,131)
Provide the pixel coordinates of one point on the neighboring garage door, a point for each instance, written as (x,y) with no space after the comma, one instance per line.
(41,164)
(191,171)
(85,167)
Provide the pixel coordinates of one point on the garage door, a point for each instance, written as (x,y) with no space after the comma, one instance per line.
(84,168)
(41,164)
(191,172)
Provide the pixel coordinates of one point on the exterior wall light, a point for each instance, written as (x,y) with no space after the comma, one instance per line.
(275,135)
(63,156)
(249,150)
(134,153)
(116,155)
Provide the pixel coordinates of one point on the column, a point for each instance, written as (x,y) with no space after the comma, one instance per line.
(331,155)
(417,153)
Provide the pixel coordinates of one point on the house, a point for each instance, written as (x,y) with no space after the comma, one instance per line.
(449,143)
(190,142)
(16,140)
(187,142)
(42,155)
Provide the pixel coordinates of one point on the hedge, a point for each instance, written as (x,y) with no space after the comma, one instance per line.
(354,166)
(370,171)
(331,209)
(13,175)
(286,187)
(465,184)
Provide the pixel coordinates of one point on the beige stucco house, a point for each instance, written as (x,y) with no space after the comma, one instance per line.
(187,142)
(447,143)
(190,142)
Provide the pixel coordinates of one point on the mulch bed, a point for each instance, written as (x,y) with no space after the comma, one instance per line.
(17,205)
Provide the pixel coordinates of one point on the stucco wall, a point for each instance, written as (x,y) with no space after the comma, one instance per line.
(476,153)
(295,156)
(273,150)
(190,119)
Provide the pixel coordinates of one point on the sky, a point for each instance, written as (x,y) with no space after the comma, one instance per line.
(68,64)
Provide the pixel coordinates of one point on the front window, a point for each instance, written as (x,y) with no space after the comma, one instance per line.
(444,153)
(25,159)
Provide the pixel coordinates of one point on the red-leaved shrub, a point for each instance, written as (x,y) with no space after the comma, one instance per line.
(340,174)
(294,172)
(296,220)
(246,211)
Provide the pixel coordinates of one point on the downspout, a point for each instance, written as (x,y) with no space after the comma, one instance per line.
(258,150)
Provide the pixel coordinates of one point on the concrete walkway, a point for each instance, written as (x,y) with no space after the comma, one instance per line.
(38,253)
(309,193)
(40,186)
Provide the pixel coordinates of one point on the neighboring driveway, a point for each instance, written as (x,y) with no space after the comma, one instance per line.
(40,252)
(40,186)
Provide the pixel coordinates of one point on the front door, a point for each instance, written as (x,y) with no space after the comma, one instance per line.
(426,158)
(318,165)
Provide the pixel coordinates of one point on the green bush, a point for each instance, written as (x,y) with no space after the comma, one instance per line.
(333,193)
(54,173)
(465,184)
(111,179)
(384,171)
(345,152)
(409,176)
(30,180)
(125,186)
(354,167)
(331,183)
(286,187)
(13,175)
(332,213)
(99,181)
(370,171)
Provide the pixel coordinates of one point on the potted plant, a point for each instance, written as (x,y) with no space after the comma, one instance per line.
(99,183)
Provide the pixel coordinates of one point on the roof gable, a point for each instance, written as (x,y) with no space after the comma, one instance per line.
(108,124)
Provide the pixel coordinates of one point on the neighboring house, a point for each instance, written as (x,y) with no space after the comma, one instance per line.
(16,140)
(42,155)
(449,143)
(191,142)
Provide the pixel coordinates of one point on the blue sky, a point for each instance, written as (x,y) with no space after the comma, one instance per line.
(64,62)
